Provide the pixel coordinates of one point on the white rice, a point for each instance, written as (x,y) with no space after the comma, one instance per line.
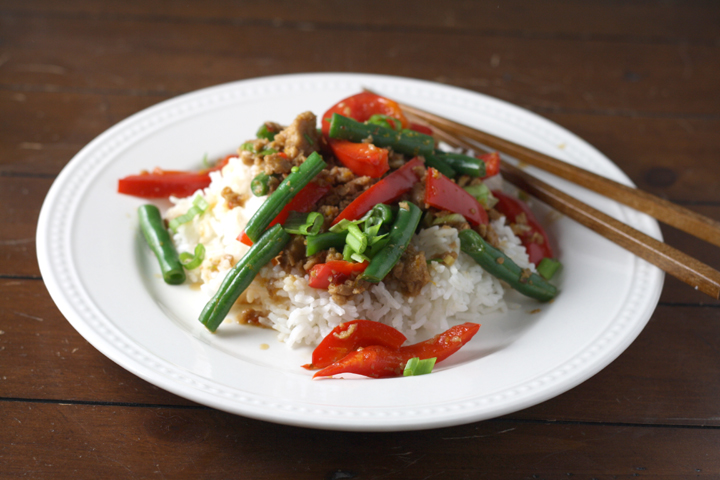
(303,315)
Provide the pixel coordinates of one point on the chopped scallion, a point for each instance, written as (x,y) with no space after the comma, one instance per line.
(448,219)
(356,239)
(248,146)
(303,223)
(198,207)
(482,194)
(343,225)
(190,261)
(264,132)
(415,366)
(267,151)
(548,267)
(260,185)
(385,121)
(360,258)
(348,252)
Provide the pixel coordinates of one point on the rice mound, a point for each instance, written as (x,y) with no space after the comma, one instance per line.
(303,315)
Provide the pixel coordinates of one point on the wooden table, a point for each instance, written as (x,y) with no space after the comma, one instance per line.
(638,80)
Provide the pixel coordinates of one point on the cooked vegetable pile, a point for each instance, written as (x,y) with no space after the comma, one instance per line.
(345,201)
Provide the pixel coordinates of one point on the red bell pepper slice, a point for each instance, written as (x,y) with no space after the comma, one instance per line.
(349,336)
(443,345)
(333,272)
(492,163)
(361,107)
(443,193)
(364,159)
(379,361)
(302,202)
(534,238)
(386,190)
(165,183)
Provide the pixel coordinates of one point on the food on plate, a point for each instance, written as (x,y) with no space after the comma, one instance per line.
(376,359)
(358,236)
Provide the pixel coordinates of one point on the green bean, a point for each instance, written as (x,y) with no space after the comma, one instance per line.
(289,187)
(406,221)
(464,164)
(378,219)
(499,265)
(382,213)
(434,161)
(158,238)
(242,274)
(325,241)
(408,142)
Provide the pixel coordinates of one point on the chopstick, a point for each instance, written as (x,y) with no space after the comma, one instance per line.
(672,261)
(667,212)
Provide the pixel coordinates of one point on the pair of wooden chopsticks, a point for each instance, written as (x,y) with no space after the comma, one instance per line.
(674,262)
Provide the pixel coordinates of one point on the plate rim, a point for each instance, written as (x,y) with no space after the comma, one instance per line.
(199,389)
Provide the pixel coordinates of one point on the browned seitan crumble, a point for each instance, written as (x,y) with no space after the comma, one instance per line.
(293,145)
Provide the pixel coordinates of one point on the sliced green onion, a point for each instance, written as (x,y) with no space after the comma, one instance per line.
(248,146)
(191,261)
(267,151)
(415,366)
(264,132)
(482,194)
(356,239)
(385,121)
(260,185)
(450,218)
(348,252)
(548,267)
(303,223)
(199,206)
(403,229)
(360,258)
(343,225)
(378,215)
(309,139)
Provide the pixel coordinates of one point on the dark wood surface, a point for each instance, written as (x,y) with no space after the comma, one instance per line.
(639,80)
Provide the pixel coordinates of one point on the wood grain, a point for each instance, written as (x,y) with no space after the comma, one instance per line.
(637,80)
(59,441)
(147,55)
(458,134)
(42,357)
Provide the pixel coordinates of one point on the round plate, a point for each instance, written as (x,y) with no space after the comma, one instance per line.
(106,283)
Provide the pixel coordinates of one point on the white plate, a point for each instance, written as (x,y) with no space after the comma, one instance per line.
(107,285)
